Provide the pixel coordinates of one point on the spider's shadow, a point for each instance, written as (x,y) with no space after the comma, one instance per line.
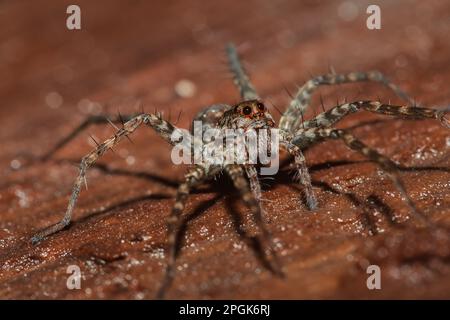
(252,242)
(371,203)
(197,212)
(284,176)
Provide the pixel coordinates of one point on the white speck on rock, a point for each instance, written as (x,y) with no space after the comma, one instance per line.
(54,100)
(15,164)
(348,11)
(185,88)
(24,201)
(130,160)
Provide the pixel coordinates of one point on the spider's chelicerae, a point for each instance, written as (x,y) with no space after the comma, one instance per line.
(295,135)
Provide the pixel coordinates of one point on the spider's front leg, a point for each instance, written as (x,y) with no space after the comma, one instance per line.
(91,120)
(308,137)
(163,128)
(290,121)
(174,223)
(303,174)
(335,114)
(255,186)
(237,175)
(330,117)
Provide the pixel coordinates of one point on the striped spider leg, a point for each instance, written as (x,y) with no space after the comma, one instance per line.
(319,129)
(91,120)
(293,116)
(162,127)
(193,178)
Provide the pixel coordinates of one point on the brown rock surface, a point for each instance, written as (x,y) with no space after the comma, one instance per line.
(133,53)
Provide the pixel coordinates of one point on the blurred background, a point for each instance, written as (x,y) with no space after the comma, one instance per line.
(169,55)
(137,51)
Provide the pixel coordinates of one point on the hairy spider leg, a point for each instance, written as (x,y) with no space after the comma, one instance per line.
(193,178)
(161,126)
(91,120)
(291,119)
(312,136)
(303,175)
(241,80)
(237,175)
(336,114)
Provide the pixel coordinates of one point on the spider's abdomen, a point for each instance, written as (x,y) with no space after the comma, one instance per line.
(210,116)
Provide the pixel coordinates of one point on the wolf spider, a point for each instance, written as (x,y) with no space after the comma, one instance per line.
(295,136)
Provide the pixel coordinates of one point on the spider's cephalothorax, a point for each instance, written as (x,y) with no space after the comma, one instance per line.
(295,135)
(240,119)
(250,114)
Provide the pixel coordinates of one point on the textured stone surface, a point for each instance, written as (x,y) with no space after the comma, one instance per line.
(124,56)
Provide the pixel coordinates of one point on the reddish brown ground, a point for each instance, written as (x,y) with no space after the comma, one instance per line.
(136,52)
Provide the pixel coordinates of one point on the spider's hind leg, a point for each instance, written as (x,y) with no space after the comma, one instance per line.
(241,79)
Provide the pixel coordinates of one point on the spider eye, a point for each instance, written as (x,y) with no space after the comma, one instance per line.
(261,106)
(247,110)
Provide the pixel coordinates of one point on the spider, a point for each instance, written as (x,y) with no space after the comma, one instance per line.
(295,135)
